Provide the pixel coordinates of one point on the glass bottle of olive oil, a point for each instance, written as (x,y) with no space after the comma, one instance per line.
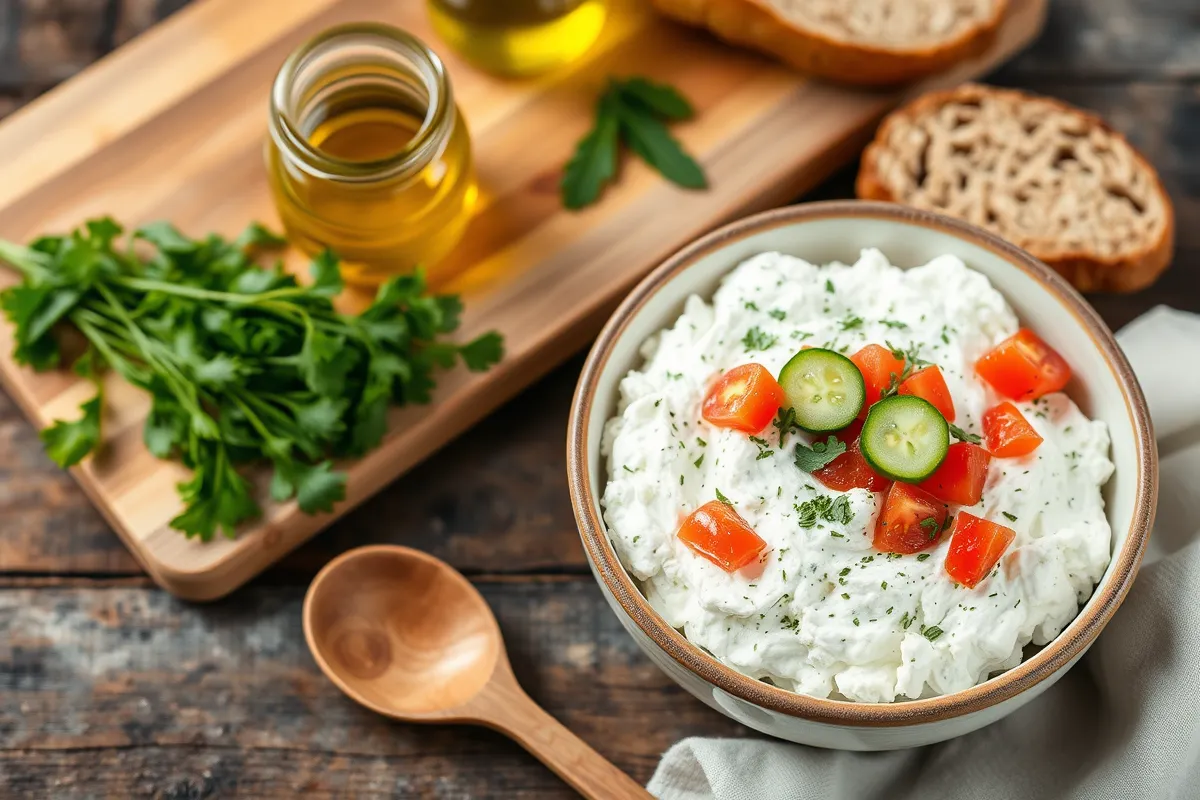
(368,154)
(519,37)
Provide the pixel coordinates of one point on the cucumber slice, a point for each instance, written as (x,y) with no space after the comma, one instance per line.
(905,438)
(824,388)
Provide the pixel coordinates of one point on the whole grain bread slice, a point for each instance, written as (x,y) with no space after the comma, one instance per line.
(1050,178)
(866,42)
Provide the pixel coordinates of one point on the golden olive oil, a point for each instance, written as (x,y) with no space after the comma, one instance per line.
(369,158)
(519,37)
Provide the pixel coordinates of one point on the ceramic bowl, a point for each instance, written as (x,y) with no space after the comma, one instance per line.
(1104,386)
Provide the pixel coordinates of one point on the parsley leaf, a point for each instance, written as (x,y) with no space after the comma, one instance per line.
(68,442)
(757,339)
(931,526)
(1011,517)
(963,436)
(811,459)
(809,511)
(316,486)
(724,499)
(483,352)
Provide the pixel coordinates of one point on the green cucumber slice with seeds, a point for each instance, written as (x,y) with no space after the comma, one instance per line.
(824,388)
(905,438)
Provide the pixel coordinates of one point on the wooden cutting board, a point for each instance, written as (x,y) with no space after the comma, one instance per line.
(172,125)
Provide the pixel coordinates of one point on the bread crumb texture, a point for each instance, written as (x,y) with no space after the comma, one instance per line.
(897,24)
(1047,177)
(862,42)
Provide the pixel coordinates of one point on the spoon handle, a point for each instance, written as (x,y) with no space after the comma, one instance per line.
(588,772)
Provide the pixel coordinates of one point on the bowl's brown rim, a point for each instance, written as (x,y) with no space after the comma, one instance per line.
(1047,662)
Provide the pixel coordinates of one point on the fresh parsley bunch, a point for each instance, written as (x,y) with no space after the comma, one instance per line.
(242,363)
(633,111)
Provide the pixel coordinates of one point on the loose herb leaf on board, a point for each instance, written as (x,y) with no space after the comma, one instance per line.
(631,111)
(595,161)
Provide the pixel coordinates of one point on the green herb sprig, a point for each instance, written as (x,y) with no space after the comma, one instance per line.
(634,112)
(963,436)
(821,454)
(242,363)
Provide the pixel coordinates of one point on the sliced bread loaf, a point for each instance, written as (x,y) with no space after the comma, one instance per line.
(1047,177)
(868,42)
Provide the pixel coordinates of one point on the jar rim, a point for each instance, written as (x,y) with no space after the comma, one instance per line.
(416,153)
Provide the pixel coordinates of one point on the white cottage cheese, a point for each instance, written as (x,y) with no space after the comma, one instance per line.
(829,615)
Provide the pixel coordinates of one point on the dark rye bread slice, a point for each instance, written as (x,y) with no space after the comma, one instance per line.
(866,42)
(1050,178)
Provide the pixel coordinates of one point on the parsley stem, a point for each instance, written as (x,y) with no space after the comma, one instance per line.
(157,355)
(129,371)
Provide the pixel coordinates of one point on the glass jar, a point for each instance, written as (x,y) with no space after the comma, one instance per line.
(368,155)
(519,37)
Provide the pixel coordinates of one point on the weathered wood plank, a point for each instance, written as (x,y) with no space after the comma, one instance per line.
(188,772)
(132,676)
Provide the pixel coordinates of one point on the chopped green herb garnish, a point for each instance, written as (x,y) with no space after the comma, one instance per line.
(757,339)
(821,454)
(963,436)
(932,633)
(724,499)
(1011,517)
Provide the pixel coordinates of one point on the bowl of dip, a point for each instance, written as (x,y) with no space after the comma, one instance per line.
(817,617)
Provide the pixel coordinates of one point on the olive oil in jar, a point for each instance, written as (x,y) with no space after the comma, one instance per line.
(368,155)
(519,37)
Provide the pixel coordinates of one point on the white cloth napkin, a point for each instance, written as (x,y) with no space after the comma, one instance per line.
(1123,724)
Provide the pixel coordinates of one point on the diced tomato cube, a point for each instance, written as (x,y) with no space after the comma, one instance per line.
(879,369)
(1007,433)
(929,384)
(911,520)
(746,398)
(961,476)
(976,546)
(718,533)
(850,470)
(1023,367)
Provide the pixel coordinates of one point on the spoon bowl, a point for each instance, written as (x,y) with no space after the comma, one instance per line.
(407,636)
(401,632)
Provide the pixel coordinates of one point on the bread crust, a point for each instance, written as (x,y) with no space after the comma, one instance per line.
(1086,270)
(755,24)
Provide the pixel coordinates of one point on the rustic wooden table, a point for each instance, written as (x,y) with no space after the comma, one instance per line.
(111,688)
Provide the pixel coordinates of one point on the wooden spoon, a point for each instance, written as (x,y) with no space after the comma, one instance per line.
(407,636)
